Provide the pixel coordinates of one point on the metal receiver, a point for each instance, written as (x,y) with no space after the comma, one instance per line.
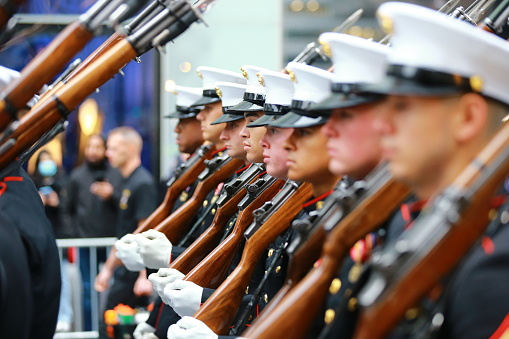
(262,214)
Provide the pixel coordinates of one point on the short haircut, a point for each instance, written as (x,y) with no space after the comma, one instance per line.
(100,136)
(130,135)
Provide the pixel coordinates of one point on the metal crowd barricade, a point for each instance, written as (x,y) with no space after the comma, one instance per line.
(73,274)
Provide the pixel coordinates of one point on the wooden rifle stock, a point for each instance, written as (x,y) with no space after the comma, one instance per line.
(296,312)
(443,242)
(220,309)
(34,124)
(208,240)
(212,270)
(42,69)
(176,225)
(43,117)
(172,193)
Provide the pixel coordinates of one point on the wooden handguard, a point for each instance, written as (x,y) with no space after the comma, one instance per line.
(489,170)
(220,309)
(209,239)
(212,270)
(43,117)
(296,312)
(176,225)
(42,69)
(172,193)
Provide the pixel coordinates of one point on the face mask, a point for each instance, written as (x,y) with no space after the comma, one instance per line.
(47,168)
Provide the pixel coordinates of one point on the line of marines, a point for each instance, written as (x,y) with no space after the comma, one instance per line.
(423,108)
(419,111)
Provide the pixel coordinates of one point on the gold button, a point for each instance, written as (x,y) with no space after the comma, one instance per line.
(231,223)
(355,273)
(352,304)
(271,252)
(412,313)
(205,203)
(247,290)
(329,316)
(250,318)
(266,298)
(492,214)
(213,211)
(319,205)
(214,198)
(278,269)
(335,286)
(183,196)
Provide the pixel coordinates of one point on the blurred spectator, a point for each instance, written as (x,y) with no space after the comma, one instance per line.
(91,215)
(49,180)
(137,199)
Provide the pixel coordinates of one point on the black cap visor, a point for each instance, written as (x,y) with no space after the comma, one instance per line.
(409,80)
(297,120)
(245,106)
(183,112)
(227,117)
(342,100)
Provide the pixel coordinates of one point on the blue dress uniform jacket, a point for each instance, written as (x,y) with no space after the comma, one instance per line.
(23,208)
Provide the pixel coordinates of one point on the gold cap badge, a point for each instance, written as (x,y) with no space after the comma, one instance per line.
(260,79)
(292,76)
(326,48)
(244,73)
(219,92)
(476,83)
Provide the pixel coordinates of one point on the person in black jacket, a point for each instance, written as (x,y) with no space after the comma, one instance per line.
(89,212)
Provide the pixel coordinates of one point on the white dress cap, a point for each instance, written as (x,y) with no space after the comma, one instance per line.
(312,84)
(186,96)
(423,38)
(278,87)
(250,73)
(355,59)
(212,75)
(230,93)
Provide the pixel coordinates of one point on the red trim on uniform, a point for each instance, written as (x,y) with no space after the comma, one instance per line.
(171,258)
(317,199)
(219,150)
(13,179)
(498,201)
(407,210)
(3,187)
(502,330)
(242,169)
(487,245)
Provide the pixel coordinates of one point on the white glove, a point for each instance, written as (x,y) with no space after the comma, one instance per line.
(162,278)
(184,297)
(142,329)
(127,251)
(154,248)
(190,328)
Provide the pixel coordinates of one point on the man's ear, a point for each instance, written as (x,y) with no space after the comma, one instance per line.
(472,116)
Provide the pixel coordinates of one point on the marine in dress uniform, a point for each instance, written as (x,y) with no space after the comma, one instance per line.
(309,165)
(228,94)
(427,93)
